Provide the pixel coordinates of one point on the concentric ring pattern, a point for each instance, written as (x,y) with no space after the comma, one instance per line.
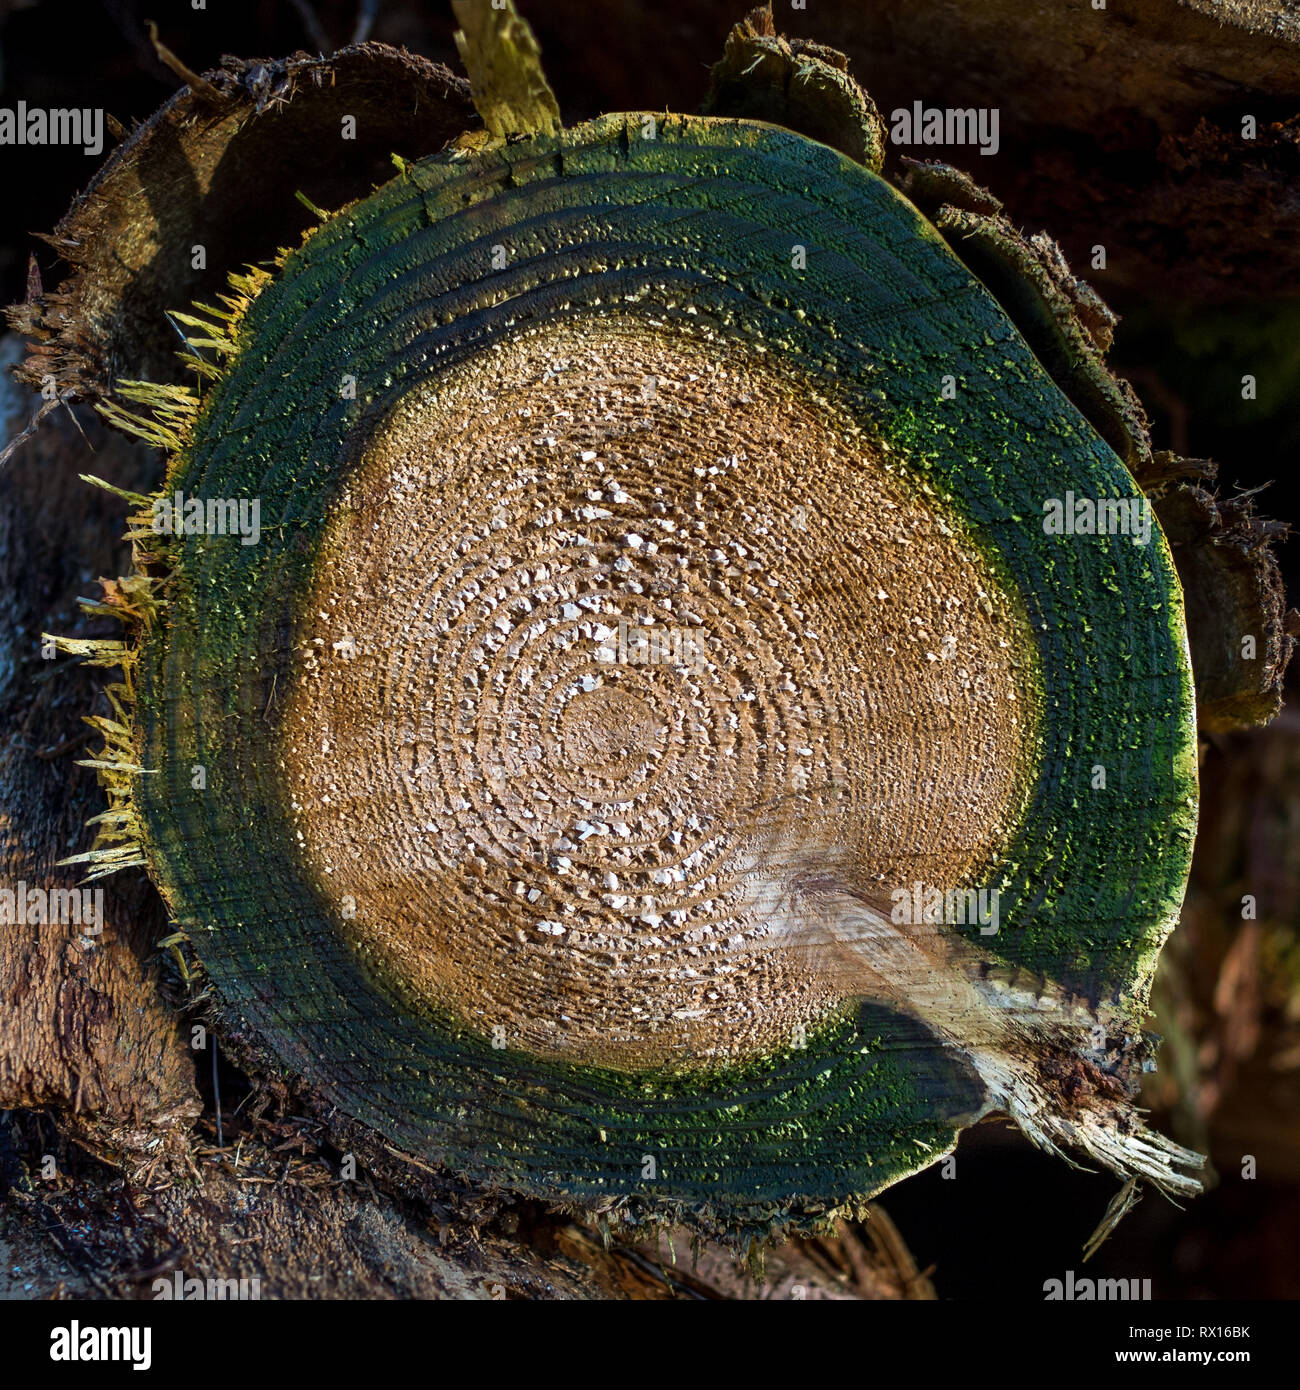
(814,288)
(617,642)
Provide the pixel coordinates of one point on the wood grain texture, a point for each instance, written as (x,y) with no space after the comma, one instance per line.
(693,229)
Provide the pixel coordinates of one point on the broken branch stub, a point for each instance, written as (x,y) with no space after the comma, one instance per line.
(647,712)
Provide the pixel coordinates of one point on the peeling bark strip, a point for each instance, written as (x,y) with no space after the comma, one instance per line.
(1242,636)
(1062,317)
(206,185)
(804,86)
(1240,632)
(505,70)
(621,935)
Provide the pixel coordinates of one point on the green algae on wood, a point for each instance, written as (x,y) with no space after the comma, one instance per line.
(780,258)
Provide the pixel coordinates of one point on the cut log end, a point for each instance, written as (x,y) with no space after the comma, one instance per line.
(624,589)
(610,638)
